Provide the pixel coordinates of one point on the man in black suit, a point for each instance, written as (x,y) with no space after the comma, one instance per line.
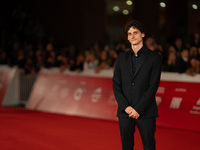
(181,64)
(135,82)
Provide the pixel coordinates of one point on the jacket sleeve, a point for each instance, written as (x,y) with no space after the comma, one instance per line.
(117,87)
(148,96)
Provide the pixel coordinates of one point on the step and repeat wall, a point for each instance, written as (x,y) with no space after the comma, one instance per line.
(89,94)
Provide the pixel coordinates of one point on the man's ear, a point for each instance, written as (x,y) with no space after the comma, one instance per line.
(143,35)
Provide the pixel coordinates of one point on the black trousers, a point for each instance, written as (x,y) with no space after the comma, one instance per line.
(146,127)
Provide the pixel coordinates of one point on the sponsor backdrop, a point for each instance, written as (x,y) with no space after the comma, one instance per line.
(86,95)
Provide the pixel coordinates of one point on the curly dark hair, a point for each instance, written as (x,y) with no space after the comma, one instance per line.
(135,24)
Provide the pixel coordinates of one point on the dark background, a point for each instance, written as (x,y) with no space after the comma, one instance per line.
(83,22)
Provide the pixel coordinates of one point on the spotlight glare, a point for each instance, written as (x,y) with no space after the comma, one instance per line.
(194,6)
(129,2)
(162,4)
(125,12)
(115,8)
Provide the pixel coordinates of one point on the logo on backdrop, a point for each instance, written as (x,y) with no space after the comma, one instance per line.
(111,99)
(78,94)
(158,100)
(161,90)
(196,108)
(96,95)
(176,102)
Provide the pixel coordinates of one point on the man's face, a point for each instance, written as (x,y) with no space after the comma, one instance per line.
(185,53)
(135,37)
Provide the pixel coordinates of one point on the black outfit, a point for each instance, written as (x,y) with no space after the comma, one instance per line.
(135,82)
(181,65)
(169,68)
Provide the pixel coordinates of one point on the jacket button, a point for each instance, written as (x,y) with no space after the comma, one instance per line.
(132,83)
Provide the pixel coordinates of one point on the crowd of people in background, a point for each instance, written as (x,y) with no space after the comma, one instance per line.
(179,56)
(22,44)
(31,58)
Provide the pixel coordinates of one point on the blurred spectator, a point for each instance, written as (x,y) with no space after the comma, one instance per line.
(39,60)
(78,65)
(62,62)
(178,45)
(96,49)
(171,49)
(120,48)
(112,57)
(195,39)
(150,43)
(170,64)
(198,53)
(72,52)
(181,65)
(21,59)
(49,48)
(193,52)
(29,67)
(103,62)
(50,60)
(3,57)
(194,67)
(90,62)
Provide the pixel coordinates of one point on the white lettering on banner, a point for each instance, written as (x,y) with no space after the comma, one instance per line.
(196,109)
(1,85)
(180,90)
(64,93)
(175,103)
(112,100)
(195,112)
(78,94)
(198,102)
(161,90)
(158,100)
(96,95)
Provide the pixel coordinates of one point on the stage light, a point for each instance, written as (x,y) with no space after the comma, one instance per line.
(162,4)
(125,12)
(129,2)
(194,6)
(115,8)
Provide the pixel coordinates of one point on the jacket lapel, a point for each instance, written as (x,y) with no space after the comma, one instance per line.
(129,62)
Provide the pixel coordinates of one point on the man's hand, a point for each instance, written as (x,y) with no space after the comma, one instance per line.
(132,113)
(128,110)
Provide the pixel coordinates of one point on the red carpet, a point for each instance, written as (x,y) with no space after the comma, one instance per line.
(29,130)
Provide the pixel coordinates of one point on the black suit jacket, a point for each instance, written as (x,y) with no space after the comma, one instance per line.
(137,90)
(181,65)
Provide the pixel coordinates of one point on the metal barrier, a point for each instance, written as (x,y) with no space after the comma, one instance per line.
(26,82)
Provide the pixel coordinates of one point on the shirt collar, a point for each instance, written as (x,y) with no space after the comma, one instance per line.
(139,52)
